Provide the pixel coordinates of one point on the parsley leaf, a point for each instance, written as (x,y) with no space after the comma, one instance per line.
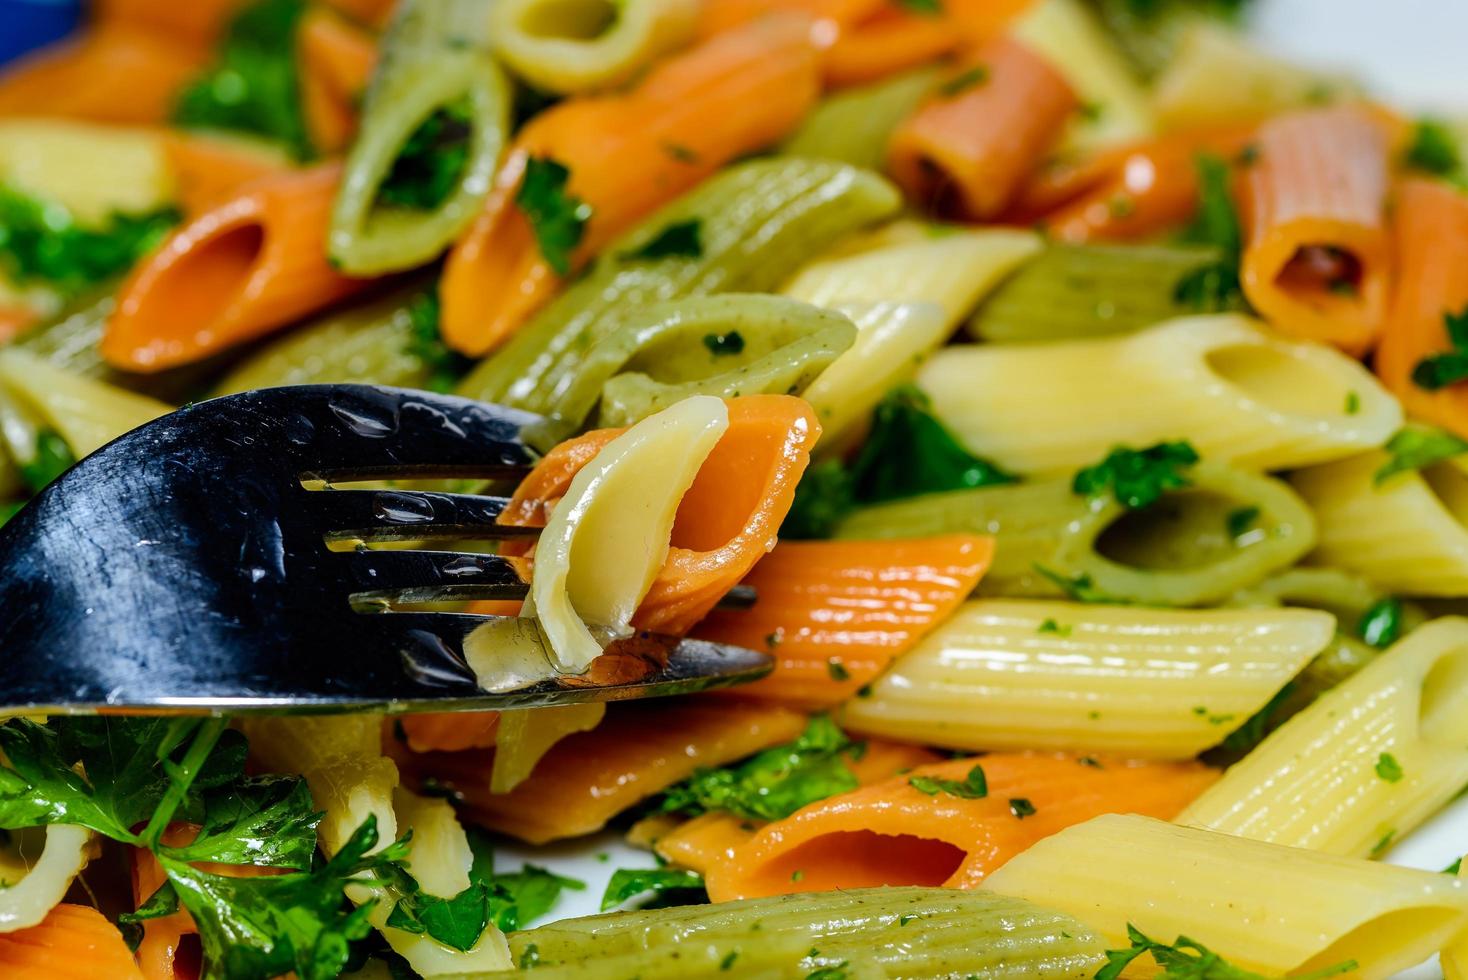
(1260,723)
(432,160)
(425,342)
(1078,587)
(1418,447)
(163,902)
(260,820)
(823,499)
(774,783)
(40,241)
(1433,150)
(53,458)
(681,239)
(528,894)
(1137,477)
(557,218)
(1186,959)
(972,787)
(1021,807)
(628,882)
(1381,625)
(1440,370)
(1388,768)
(255,85)
(1214,287)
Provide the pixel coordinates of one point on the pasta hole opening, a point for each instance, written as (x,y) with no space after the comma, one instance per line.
(1322,272)
(1274,379)
(707,518)
(209,277)
(188,961)
(19,851)
(861,859)
(1442,713)
(1450,485)
(569,20)
(1185,530)
(1376,942)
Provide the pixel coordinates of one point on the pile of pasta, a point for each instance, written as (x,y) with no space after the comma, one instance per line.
(1080,393)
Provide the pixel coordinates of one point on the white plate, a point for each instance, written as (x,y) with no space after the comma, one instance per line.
(1409,52)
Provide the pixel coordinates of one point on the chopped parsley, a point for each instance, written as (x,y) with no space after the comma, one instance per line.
(254,87)
(824,497)
(53,457)
(557,218)
(1433,150)
(728,961)
(629,882)
(1416,448)
(1260,723)
(1388,768)
(1440,370)
(963,81)
(837,669)
(1051,626)
(1381,625)
(928,8)
(680,153)
(40,241)
(1215,286)
(1240,520)
(1187,959)
(724,344)
(839,971)
(1353,403)
(530,957)
(1021,807)
(425,342)
(1384,844)
(1078,587)
(681,239)
(1454,868)
(432,160)
(972,787)
(1137,478)
(774,783)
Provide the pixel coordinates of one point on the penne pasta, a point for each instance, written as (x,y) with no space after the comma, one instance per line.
(855,126)
(1316,258)
(899,833)
(581,45)
(1237,392)
(1403,532)
(38,866)
(835,614)
(91,170)
(209,168)
(1005,674)
(1266,908)
(1364,764)
(437,112)
(73,942)
(85,412)
(247,267)
(1180,551)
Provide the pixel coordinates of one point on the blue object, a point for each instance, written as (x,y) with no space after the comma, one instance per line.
(29,24)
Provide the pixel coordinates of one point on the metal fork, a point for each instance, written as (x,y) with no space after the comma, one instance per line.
(185,567)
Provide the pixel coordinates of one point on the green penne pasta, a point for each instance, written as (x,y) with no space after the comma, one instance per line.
(433,127)
(755,221)
(1180,551)
(726,345)
(1075,291)
(374,343)
(864,932)
(853,126)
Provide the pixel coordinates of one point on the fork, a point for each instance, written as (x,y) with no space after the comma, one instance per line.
(186,566)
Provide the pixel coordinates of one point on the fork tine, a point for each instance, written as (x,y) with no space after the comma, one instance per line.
(422,576)
(359,432)
(406,515)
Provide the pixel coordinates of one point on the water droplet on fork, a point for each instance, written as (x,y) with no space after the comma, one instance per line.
(401,508)
(368,417)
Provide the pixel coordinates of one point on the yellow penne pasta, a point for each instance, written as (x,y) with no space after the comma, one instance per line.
(575,45)
(1147,683)
(1363,765)
(85,412)
(524,737)
(90,169)
(37,866)
(1266,908)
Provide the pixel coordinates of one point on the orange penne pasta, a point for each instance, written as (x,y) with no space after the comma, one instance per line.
(835,613)
(590,777)
(73,942)
(726,521)
(113,73)
(198,22)
(893,833)
(973,149)
(1430,236)
(451,731)
(627,155)
(336,60)
(208,169)
(1316,259)
(717,16)
(1124,193)
(249,265)
(373,13)
(892,39)
(14,320)
(711,838)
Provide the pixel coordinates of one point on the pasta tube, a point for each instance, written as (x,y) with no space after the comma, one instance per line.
(1179,551)
(1235,391)
(835,614)
(975,145)
(579,45)
(1364,764)
(875,40)
(208,168)
(38,866)
(1072,292)
(756,219)
(85,412)
(74,942)
(437,85)
(908,832)
(590,777)
(522,738)
(1405,532)
(1317,258)
(890,931)
(1430,235)
(336,58)
(854,126)
(1143,683)
(1266,908)
(90,170)
(249,266)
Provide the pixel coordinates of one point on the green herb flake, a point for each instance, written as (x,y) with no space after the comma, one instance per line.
(964,80)
(865,691)
(530,958)
(445,367)
(974,786)
(1090,761)
(1353,403)
(727,962)
(1240,520)
(1416,448)
(1454,868)
(927,8)
(724,344)
(629,882)
(904,919)
(557,218)
(1051,626)
(797,875)
(41,242)
(1021,807)
(774,639)
(1433,150)
(1381,625)
(53,457)
(680,153)
(1388,768)
(1137,478)
(1078,587)
(837,669)
(1187,959)
(1384,844)
(431,163)
(1260,723)
(839,971)
(1214,287)
(682,239)
(1437,371)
